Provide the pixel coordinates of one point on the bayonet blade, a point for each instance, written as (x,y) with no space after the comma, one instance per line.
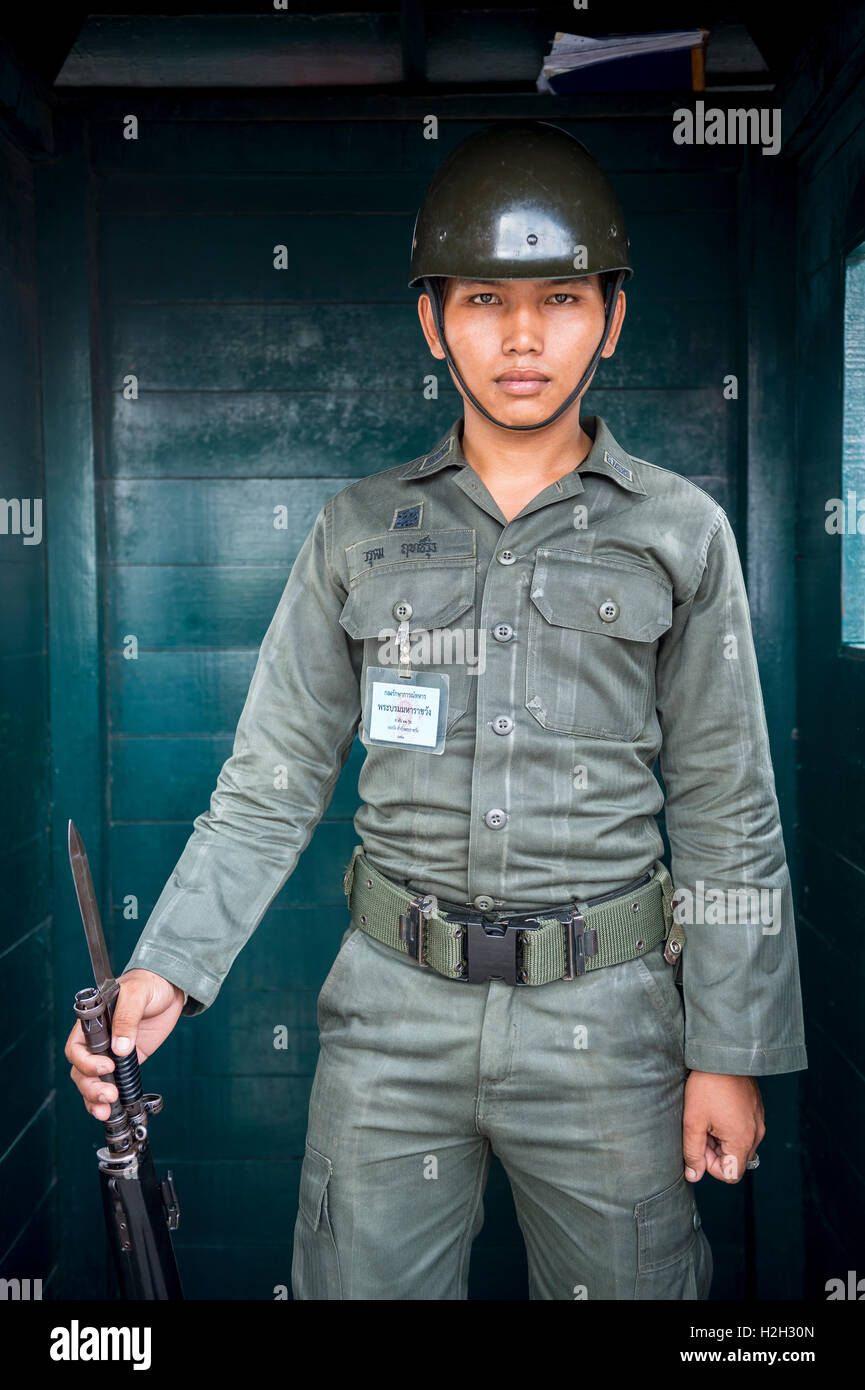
(102,972)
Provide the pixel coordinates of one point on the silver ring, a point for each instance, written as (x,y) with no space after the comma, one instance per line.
(753,1162)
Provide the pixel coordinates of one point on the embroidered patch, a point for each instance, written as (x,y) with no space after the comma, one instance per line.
(407,516)
(426,547)
(438,455)
(619,467)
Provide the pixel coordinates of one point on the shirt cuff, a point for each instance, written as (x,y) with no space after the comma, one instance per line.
(199,989)
(745,1061)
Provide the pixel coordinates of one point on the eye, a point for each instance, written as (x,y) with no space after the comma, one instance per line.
(560,296)
(486,296)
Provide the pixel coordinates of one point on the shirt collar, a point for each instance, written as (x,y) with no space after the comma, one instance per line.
(605,456)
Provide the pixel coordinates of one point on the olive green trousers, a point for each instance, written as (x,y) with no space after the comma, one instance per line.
(577,1086)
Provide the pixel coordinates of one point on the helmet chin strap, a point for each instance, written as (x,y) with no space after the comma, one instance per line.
(433,287)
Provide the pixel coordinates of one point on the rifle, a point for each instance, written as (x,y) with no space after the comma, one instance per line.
(140,1211)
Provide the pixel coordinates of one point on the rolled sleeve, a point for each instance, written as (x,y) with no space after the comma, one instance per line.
(740,969)
(292,740)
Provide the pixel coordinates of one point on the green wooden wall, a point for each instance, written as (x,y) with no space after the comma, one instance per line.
(830,224)
(28,1223)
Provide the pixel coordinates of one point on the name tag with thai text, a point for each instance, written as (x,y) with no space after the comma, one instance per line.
(409,712)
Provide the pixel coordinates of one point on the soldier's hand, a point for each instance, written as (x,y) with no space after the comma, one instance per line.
(147,1009)
(722,1125)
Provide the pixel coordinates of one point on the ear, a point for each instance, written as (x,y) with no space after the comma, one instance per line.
(427,323)
(616,328)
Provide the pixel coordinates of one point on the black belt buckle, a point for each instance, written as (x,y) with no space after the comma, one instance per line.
(411,927)
(492,946)
(580,942)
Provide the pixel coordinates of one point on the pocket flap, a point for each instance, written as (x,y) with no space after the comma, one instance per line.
(315,1174)
(437,591)
(569,589)
(666,1225)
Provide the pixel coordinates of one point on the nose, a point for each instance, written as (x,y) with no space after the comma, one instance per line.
(522,330)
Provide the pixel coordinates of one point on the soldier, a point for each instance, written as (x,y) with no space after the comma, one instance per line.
(520,622)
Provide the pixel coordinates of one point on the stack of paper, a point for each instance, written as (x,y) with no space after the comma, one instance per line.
(573,52)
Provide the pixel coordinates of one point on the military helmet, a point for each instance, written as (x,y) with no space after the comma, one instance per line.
(522,200)
(518,201)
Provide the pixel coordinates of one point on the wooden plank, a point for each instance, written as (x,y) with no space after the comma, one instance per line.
(245,1203)
(25,872)
(228,1117)
(73,598)
(27,1065)
(208,689)
(149,852)
(231,260)
(28,962)
(33,1253)
(413,41)
(369,131)
(27,1170)
(211,521)
(766,304)
(19,367)
(23,581)
(171,607)
(162,779)
(689,430)
(818,94)
(291,950)
(278,433)
(208,692)
(153,193)
(228,350)
(24,700)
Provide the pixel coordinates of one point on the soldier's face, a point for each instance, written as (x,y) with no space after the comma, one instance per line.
(522,345)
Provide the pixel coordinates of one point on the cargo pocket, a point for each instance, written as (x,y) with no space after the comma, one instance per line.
(438,592)
(592,634)
(315,1263)
(667,1234)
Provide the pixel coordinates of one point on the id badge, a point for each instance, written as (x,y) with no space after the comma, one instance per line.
(407,712)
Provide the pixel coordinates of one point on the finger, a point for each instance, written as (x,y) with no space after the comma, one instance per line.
(97,1094)
(76,1038)
(97,1091)
(727,1167)
(694,1152)
(131,1002)
(91,1063)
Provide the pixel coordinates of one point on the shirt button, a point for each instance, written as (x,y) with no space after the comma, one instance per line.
(483,902)
(609,610)
(495,818)
(503,632)
(506,557)
(697,1221)
(502,724)
(402,609)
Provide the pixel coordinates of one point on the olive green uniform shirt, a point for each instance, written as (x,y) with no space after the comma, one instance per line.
(604,627)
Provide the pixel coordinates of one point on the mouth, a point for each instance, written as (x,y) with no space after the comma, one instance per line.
(522,383)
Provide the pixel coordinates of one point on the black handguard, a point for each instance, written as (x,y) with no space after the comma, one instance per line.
(140,1211)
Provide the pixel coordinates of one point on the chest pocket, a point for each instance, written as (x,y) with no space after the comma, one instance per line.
(440,593)
(592,635)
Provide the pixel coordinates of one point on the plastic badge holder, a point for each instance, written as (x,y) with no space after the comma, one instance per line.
(408,712)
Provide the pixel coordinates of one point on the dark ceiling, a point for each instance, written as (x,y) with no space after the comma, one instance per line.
(410,44)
